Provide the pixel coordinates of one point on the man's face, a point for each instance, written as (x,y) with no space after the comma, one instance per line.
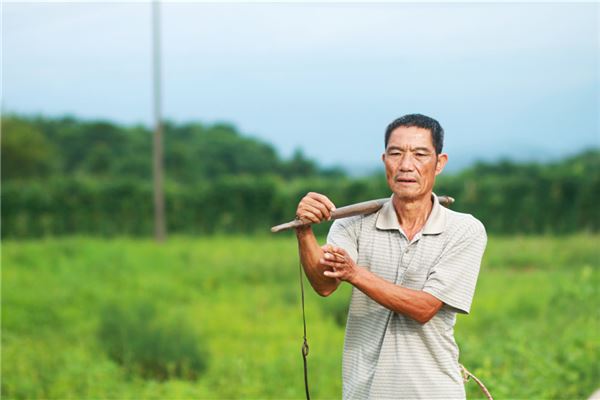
(411,164)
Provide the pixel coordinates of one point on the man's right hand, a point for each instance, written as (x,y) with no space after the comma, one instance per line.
(315,208)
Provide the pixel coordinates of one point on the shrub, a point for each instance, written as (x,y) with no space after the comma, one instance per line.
(153,348)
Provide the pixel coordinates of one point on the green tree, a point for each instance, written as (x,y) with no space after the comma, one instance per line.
(26,152)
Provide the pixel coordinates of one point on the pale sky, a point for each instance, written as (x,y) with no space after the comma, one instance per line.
(504,80)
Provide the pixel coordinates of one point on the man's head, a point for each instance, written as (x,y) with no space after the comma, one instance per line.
(420,121)
(413,156)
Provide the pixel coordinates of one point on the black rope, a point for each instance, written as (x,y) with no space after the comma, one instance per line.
(305,343)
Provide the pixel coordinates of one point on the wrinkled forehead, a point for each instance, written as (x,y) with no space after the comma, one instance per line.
(411,137)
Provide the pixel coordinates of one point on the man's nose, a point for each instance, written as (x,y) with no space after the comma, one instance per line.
(407,163)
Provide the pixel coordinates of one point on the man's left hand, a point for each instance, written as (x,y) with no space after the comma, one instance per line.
(344,267)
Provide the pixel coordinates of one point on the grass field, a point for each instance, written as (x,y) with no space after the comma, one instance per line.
(230,308)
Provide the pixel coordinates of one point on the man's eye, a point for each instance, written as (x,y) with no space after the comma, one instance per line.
(421,154)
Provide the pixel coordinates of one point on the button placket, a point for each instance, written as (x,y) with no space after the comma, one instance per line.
(402,267)
(408,254)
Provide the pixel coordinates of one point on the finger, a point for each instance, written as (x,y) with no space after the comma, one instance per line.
(323,199)
(321,213)
(327,248)
(310,204)
(332,264)
(315,207)
(308,216)
(333,274)
(333,257)
(315,200)
(320,206)
(339,251)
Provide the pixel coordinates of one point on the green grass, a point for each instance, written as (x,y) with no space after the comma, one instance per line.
(532,332)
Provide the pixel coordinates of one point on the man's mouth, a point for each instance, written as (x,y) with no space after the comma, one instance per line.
(406,180)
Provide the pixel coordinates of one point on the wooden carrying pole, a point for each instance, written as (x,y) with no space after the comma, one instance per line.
(366,207)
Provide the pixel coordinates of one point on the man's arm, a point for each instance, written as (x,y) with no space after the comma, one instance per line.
(314,207)
(415,304)
(310,255)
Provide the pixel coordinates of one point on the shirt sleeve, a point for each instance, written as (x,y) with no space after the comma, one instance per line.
(453,278)
(343,233)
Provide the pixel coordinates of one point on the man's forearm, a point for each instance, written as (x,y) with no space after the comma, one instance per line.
(310,256)
(415,304)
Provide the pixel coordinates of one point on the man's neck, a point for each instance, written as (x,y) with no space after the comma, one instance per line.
(412,215)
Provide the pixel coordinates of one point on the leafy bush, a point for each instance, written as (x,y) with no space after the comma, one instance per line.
(137,339)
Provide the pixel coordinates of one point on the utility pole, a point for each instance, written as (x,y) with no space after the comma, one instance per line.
(160,231)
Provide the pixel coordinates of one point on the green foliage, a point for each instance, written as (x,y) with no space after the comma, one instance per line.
(137,339)
(195,152)
(25,152)
(64,176)
(532,331)
(530,198)
(38,147)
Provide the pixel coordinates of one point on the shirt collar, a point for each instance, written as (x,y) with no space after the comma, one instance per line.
(435,224)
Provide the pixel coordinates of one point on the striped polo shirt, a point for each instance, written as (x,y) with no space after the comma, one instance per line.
(389,355)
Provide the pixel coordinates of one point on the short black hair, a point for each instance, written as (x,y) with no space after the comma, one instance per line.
(420,121)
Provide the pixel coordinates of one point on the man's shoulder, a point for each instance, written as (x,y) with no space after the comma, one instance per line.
(458,222)
(354,223)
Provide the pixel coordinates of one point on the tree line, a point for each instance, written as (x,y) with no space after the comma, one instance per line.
(66,176)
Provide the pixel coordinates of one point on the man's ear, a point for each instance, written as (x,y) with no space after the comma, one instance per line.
(442,160)
(383,157)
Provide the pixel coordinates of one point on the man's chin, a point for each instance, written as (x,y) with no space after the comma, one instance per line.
(408,196)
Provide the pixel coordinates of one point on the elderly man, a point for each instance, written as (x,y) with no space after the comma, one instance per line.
(413,265)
